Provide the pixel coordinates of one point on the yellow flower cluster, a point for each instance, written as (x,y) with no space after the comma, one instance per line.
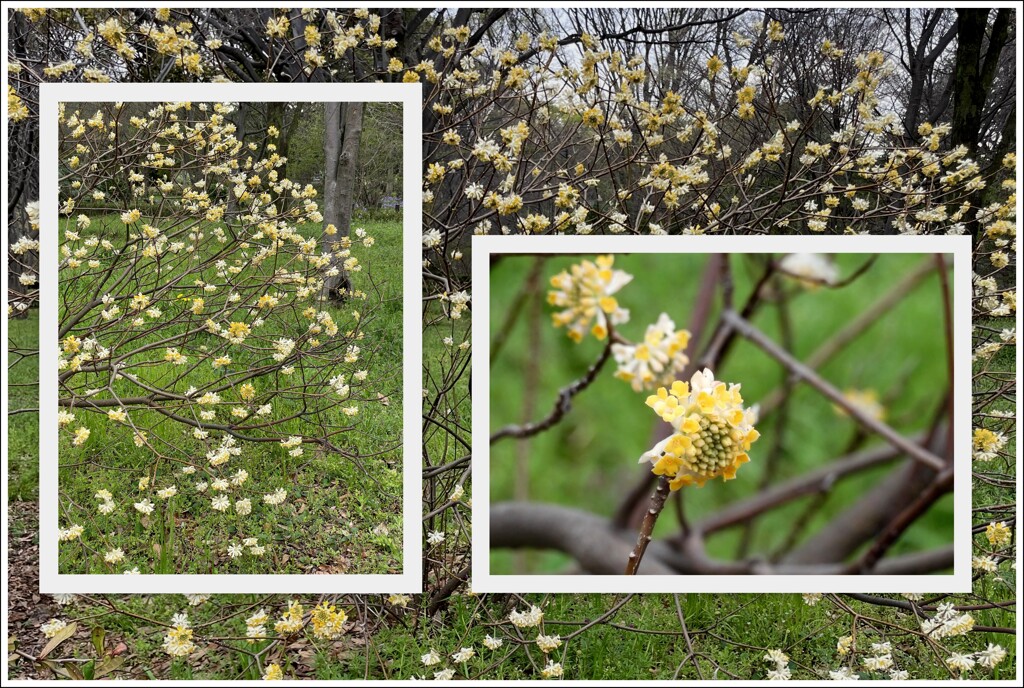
(178,641)
(328,621)
(655,361)
(864,400)
(712,431)
(987,444)
(292,620)
(584,294)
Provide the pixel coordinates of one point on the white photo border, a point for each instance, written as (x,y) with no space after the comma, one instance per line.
(410,580)
(959,581)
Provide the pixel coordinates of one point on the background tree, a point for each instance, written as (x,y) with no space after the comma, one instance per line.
(343,128)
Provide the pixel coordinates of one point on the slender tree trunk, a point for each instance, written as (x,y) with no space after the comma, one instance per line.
(975,70)
(352,132)
(973,75)
(23,180)
(343,128)
(332,149)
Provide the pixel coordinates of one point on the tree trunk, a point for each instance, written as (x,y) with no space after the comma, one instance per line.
(332,149)
(972,80)
(22,181)
(921,63)
(972,77)
(343,128)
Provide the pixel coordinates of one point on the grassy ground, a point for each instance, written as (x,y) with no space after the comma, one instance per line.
(588,460)
(346,522)
(644,642)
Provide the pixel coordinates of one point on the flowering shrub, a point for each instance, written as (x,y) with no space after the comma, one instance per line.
(198,353)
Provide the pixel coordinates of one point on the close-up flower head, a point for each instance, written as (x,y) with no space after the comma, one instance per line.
(585,295)
(712,431)
(657,359)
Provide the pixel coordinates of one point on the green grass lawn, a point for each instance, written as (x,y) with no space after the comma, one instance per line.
(731,633)
(588,461)
(340,516)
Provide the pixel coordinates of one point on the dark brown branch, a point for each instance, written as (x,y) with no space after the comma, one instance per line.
(583,536)
(562,405)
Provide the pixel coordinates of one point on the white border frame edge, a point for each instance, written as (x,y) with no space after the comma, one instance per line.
(482,579)
(411,578)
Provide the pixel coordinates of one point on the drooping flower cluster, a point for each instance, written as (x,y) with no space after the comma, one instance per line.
(947,622)
(585,295)
(998,533)
(779,662)
(712,431)
(291,621)
(527,619)
(657,360)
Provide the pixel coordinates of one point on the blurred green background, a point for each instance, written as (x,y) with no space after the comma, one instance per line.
(589,460)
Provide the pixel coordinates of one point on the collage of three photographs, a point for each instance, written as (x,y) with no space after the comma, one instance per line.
(508,344)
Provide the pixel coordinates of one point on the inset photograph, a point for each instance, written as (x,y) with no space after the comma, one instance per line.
(229,292)
(662,409)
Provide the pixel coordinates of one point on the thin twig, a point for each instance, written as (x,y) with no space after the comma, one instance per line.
(938,487)
(857,326)
(562,404)
(661,493)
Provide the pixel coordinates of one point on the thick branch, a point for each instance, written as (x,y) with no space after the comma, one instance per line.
(583,536)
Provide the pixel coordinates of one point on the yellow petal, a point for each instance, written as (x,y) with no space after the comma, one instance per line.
(608,304)
(667,465)
(681,481)
(678,445)
(705,401)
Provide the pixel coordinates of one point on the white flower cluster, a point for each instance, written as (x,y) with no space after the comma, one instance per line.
(947,622)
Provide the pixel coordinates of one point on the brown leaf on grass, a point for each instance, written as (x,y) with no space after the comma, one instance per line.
(340,565)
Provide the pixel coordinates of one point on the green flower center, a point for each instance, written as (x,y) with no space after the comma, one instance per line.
(716,446)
